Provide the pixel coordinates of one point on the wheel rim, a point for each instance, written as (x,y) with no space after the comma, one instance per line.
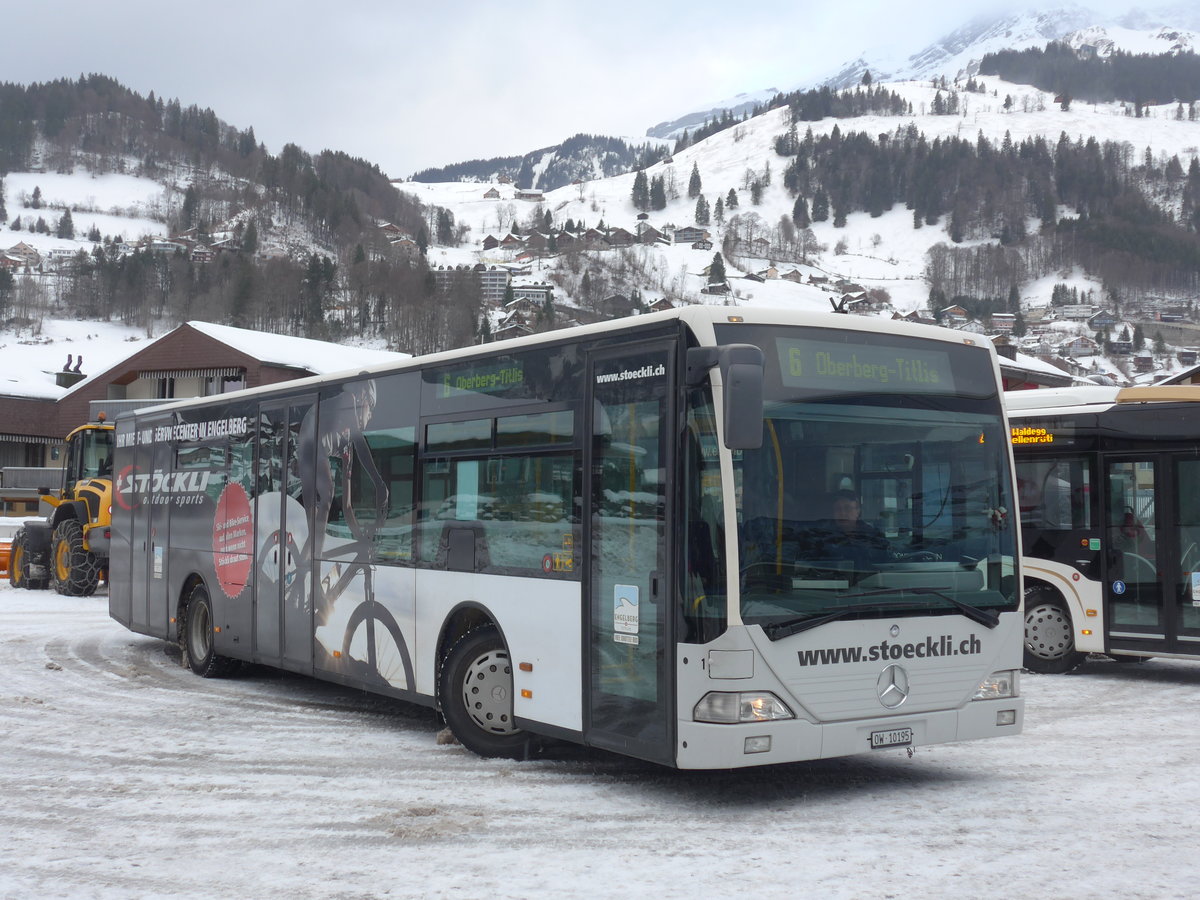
(1048,632)
(62,561)
(15,563)
(487,692)
(199,631)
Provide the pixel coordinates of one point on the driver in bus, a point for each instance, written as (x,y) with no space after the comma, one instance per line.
(845,536)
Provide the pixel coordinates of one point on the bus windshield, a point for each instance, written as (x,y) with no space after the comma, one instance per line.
(893,501)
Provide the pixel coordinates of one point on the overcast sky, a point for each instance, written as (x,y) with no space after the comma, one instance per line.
(409,85)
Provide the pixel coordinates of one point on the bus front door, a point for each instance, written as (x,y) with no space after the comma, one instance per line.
(283,622)
(629,700)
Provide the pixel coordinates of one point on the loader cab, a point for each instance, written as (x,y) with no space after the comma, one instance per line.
(89,455)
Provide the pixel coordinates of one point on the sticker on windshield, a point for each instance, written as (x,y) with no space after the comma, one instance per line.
(626,613)
(1195,588)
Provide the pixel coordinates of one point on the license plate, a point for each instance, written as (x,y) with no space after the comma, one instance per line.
(898,737)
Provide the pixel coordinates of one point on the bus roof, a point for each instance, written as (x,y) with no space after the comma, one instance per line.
(701,320)
(1095,398)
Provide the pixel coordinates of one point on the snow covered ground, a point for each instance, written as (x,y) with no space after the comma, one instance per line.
(124,775)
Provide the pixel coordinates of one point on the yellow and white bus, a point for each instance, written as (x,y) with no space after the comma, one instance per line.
(1109,493)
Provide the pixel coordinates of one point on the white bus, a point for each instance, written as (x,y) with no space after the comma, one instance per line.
(618,535)
(1109,491)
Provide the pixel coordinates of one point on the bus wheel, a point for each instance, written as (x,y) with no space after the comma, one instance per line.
(74,569)
(1049,634)
(476,695)
(20,565)
(197,636)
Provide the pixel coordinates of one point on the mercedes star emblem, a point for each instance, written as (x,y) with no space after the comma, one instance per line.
(892,686)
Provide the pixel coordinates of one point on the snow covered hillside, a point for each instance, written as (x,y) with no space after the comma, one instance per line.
(884,252)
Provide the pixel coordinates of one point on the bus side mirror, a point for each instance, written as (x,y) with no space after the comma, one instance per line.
(742,395)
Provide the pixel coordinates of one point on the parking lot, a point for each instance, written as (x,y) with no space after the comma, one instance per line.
(125,775)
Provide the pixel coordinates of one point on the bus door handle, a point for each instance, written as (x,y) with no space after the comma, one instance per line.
(654,585)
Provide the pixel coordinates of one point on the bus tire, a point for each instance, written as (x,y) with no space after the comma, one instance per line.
(197,637)
(20,564)
(1049,633)
(74,569)
(475,691)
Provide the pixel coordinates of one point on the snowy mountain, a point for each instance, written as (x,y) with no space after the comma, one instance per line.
(957,54)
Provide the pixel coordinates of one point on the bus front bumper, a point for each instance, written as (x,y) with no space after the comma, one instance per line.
(701,745)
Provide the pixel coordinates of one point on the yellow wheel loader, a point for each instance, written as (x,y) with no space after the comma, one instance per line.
(69,548)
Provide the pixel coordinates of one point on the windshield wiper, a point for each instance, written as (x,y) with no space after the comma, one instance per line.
(777,630)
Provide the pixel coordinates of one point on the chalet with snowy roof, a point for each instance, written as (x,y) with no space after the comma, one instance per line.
(619,237)
(28,255)
(196,359)
(754,276)
(769,273)
(537,241)
(1080,345)
(795,276)
(661,305)
(617,306)
(953,315)
(490,242)
(406,247)
(1103,319)
(717,288)
(512,327)
(702,245)
(918,317)
(11,262)
(530,194)
(491,194)
(511,242)
(648,234)
(391,231)
(814,278)
(565,239)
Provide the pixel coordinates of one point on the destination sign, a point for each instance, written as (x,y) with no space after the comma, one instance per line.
(486,379)
(1032,435)
(840,367)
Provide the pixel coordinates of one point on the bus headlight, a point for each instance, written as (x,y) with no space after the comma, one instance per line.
(730,708)
(997,686)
